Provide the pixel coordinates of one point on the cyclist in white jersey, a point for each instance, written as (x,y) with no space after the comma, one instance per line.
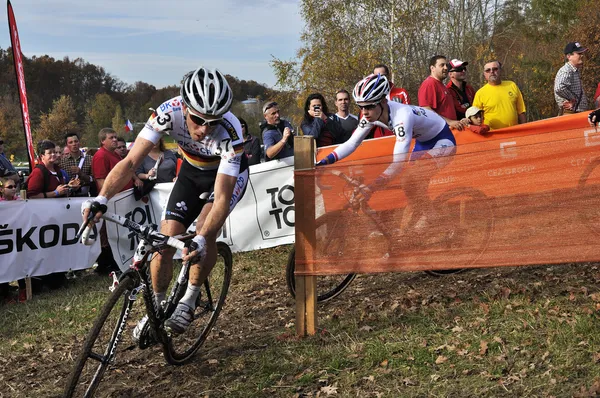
(211,181)
(433,137)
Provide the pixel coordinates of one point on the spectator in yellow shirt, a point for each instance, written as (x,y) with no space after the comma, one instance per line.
(501,100)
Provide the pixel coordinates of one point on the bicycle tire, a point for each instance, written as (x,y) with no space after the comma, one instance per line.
(180,349)
(485,215)
(104,323)
(328,294)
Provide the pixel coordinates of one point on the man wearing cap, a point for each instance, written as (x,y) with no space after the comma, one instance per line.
(500,100)
(462,92)
(568,90)
(434,95)
(277,133)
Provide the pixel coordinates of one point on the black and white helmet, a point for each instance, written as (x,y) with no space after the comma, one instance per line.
(206,91)
(372,88)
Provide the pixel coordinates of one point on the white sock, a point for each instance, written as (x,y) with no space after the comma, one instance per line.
(159,298)
(191,295)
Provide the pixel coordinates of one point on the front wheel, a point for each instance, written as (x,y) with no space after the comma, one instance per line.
(100,347)
(328,286)
(471,215)
(179,349)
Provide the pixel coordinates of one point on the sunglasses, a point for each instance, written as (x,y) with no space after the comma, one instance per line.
(10,187)
(458,70)
(1,142)
(489,70)
(269,106)
(367,107)
(203,122)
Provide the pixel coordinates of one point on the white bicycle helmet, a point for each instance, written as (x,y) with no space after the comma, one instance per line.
(372,88)
(206,91)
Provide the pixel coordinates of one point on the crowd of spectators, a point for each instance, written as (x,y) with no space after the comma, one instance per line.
(64,169)
(497,104)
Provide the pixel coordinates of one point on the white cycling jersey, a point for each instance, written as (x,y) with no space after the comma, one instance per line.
(406,121)
(222,149)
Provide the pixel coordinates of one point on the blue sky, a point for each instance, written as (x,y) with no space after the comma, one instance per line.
(159,41)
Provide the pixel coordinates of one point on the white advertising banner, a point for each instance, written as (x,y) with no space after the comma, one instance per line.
(37,237)
(263,218)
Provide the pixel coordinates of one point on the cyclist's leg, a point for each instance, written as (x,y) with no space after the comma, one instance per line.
(417,176)
(199,272)
(161,267)
(183,206)
(184,313)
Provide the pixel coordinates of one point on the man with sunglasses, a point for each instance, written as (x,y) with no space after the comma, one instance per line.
(211,181)
(462,92)
(500,100)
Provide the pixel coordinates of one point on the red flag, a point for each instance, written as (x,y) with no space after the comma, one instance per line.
(18,59)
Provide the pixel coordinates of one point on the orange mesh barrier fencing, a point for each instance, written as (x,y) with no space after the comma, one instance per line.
(528,198)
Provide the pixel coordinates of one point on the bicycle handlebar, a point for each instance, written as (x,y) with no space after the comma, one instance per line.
(147,232)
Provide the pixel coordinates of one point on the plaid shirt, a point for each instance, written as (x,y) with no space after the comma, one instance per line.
(69,161)
(568,87)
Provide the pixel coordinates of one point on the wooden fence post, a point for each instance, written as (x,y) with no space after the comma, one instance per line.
(304,194)
(28,289)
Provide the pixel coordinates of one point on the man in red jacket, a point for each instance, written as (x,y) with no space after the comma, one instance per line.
(102,163)
(462,92)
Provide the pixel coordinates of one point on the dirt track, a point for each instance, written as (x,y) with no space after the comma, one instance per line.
(260,313)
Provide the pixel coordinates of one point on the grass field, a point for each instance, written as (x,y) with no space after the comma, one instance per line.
(510,332)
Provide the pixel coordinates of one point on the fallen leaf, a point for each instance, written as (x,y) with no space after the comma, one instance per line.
(483,347)
(329,390)
(441,359)
(213,361)
(457,329)
(384,363)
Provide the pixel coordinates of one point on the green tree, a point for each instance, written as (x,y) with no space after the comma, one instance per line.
(118,123)
(60,120)
(11,128)
(100,114)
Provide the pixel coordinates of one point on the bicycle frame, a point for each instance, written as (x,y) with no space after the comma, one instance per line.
(151,241)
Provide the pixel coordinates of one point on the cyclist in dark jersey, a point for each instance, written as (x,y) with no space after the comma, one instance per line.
(211,181)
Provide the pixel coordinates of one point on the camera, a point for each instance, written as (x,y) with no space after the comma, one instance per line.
(316,108)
